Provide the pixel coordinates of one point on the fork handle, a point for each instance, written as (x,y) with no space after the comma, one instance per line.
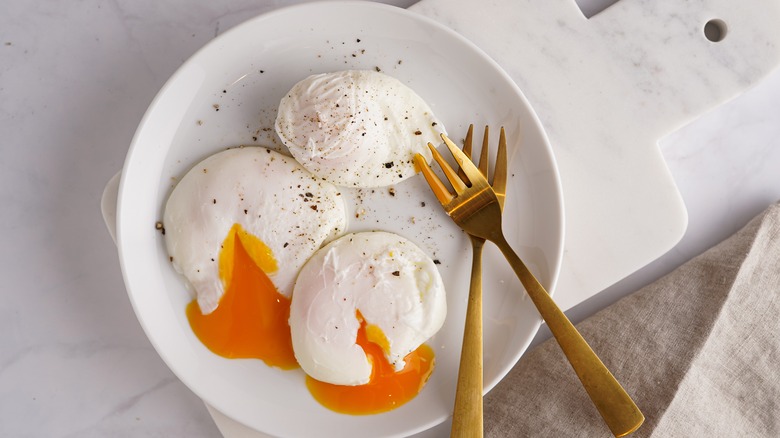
(467,413)
(613,403)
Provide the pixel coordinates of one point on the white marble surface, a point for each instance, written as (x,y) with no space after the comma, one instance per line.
(607,89)
(75,79)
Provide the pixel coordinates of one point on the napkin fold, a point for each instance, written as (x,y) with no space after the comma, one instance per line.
(698,350)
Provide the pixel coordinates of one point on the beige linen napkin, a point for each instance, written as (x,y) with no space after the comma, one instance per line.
(699,350)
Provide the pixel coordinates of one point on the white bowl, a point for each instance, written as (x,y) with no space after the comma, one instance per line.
(227,94)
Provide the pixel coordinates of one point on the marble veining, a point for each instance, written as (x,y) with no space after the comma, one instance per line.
(607,89)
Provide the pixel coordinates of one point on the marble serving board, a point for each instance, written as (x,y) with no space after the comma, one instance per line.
(607,89)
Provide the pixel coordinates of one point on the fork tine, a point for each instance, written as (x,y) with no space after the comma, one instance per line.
(449,172)
(500,171)
(483,155)
(466,150)
(439,189)
(471,171)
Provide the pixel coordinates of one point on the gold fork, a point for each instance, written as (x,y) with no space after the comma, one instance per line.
(476,209)
(467,413)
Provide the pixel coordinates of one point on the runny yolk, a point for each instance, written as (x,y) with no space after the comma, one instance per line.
(251,319)
(386,389)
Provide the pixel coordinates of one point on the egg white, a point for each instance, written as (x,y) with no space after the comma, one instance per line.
(356,128)
(393,284)
(270,195)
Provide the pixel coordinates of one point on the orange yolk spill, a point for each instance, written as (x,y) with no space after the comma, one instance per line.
(386,389)
(251,319)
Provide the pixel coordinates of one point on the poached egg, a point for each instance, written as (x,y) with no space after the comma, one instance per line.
(279,212)
(379,281)
(356,128)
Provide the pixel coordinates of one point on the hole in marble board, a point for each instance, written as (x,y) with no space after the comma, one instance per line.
(715,30)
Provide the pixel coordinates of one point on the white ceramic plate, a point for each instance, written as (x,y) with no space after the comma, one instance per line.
(226,95)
